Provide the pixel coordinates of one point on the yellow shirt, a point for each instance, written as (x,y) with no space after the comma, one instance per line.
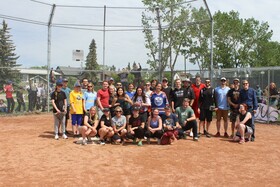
(76,98)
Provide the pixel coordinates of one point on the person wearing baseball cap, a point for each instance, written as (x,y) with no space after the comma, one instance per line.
(76,109)
(222,108)
(233,101)
(166,89)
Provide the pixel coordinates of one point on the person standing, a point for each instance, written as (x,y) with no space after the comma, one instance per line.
(44,95)
(197,87)
(222,107)
(143,101)
(187,119)
(89,97)
(39,94)
(159,99)
(103,98)
(248,96)
(206,107)
(67,91)
(84,85)
(130,91)
(233,101)
(259,93)
(77,109)
(58,99)
(166,89)
(8,89)
(20,100)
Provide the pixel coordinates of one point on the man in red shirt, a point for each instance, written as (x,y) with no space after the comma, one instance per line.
(103,98)
(8,89)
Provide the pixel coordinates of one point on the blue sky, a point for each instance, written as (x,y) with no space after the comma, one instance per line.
(121,47)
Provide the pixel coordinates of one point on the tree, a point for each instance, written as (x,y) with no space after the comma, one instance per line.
(173,19)
(91,62)
(8,57)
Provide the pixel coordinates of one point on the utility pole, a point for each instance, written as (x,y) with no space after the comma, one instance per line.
(159,45)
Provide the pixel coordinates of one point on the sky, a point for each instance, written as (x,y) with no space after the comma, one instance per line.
(120,47)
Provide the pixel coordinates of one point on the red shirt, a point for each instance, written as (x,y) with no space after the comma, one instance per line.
(104,97)
(196,90)
(9,91)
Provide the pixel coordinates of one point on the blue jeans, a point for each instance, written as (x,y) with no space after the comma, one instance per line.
(11,104)
(253,121)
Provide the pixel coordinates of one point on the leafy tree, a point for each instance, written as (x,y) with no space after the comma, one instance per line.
(39,67)
(173,19)
(8,57)
(91,62)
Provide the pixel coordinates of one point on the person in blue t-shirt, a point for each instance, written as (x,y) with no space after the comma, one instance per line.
(89,97)
(222,106)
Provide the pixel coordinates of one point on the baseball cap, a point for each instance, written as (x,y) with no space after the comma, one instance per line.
(111,79)
(223,79)
(186,80)
(137,108)
(164,79)
(236,79)
(105,109)
(77,84)
(65,80)
(58,82)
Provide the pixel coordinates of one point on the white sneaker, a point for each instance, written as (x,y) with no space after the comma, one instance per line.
(64,136)
(84,142)
(191,134)
(56,137)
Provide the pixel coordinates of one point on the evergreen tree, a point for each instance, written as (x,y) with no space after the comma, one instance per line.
(91,62)
(8,58)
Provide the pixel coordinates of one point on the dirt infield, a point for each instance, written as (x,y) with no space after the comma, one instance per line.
(30,156)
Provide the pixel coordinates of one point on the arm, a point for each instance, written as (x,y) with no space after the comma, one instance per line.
(95,124)
(255,102)
(127,99)
(191,118)
(86,122)
(54,105)
(247,117)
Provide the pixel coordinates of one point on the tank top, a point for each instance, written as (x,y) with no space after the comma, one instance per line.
(248,122)
(154,124)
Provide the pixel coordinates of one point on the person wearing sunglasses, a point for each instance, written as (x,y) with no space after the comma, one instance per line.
(105,129)
(249,97)
(89,97)
(222,108)
(119,126)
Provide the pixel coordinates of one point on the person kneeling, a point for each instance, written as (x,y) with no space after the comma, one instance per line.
(154,126)
(136,126)
(88,130)
(244,127)
(106,130)
(170,125)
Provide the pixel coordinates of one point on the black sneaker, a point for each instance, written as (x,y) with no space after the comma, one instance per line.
(252,139)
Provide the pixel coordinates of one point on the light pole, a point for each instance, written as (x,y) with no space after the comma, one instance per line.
(262,73)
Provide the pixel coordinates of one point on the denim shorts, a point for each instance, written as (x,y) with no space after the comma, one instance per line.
(77,119)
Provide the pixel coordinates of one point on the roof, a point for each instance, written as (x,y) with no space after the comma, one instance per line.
(67,70)
(34,71)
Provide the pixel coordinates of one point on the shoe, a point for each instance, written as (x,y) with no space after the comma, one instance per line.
(84,142)
(140,143)
(184,136)
(242,141)
(64,136)
(226,135)
(134,141)
(252,139)
(148,141)
(207,134)
(195,139)
(158,141)
(66,132)
(102,142)
(191,134)
(56,137)
(231,136)
(217,134)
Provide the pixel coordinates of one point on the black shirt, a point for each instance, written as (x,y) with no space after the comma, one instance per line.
(58,98)
(206,98)
(233,94)
(136,122)
(178,95)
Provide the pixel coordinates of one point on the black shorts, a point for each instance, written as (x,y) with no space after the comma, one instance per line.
(205,114)
(233,115)
(67,116)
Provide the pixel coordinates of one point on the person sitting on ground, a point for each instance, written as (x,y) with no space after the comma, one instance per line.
(105,129)
(88,130)
(154,126)
(3,106)
(136,126)
(119,125)
(244,127)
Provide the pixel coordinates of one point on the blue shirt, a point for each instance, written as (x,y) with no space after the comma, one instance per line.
(130,94)
(90,98)
(221,97)
(67,93)
(249,97)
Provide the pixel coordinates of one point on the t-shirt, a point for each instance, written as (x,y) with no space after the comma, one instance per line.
(178,95)
(206,98)
(118,122)
(130,94)
(168,92)
(107,122)
(136,122)
(90,98)
(159,101)
(139,99)
(233,94)
(76,98)
(104,97)
(154,124)
(58,98)
(67,92)
(92,119)
(9,91)
(221,97)
(169,120)
(183,114)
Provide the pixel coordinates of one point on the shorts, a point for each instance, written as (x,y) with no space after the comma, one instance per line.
(248,132)
(77,119)
(205,114)
(67,112)
(233,115)
(222,114)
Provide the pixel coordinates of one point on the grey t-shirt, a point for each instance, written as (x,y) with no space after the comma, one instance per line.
(118,122)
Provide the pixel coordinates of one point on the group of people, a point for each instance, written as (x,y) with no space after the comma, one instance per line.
(153,111)
(37,98)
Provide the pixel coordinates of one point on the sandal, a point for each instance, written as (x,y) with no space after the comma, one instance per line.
(242,141)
